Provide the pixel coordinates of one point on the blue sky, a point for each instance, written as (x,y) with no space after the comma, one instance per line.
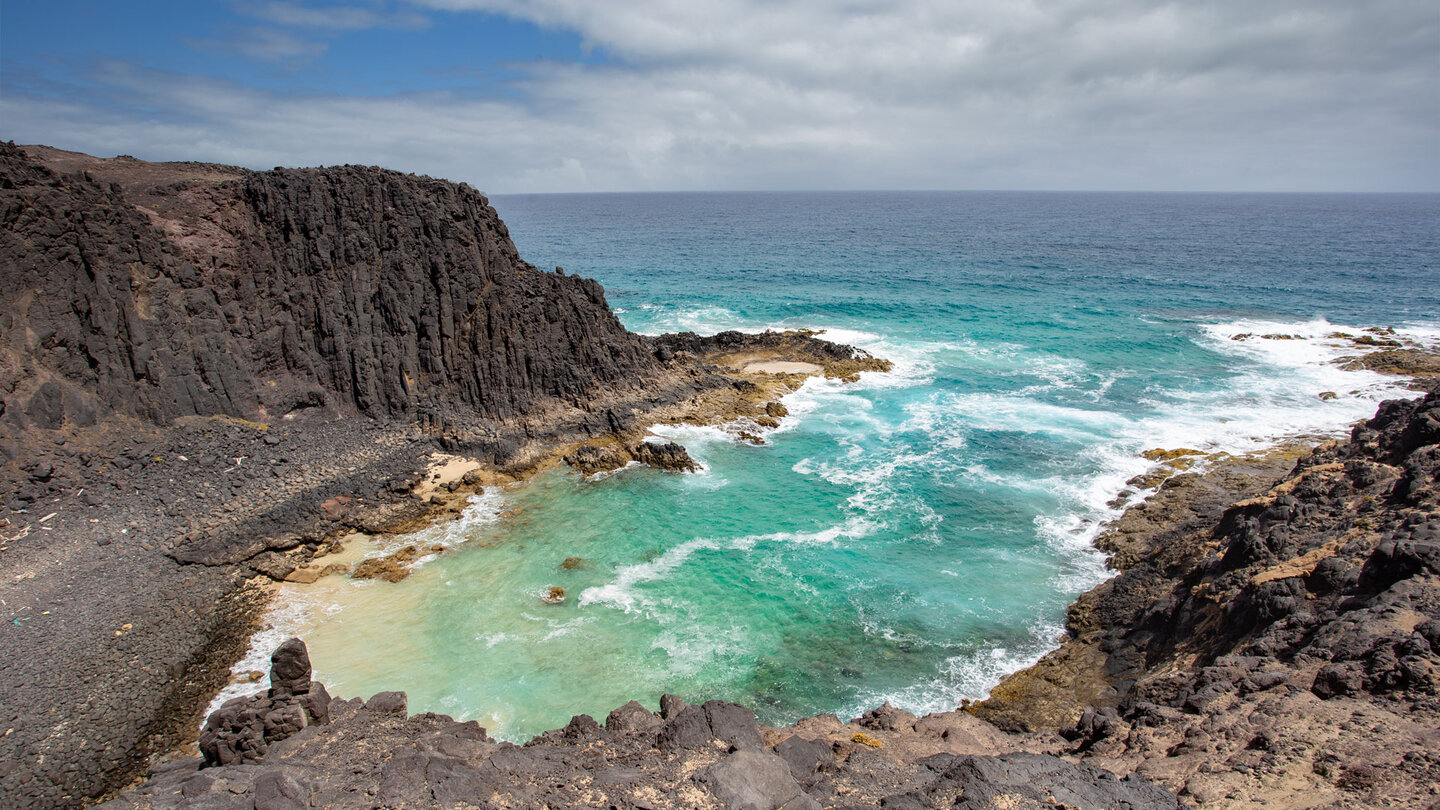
(283,47)
(597,95)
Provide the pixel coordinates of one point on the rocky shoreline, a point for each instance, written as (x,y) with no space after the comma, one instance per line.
(176,437)
(137,588)
(296,747)
(1271,641)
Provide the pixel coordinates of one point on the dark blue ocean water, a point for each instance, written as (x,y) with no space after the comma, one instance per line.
(914,536)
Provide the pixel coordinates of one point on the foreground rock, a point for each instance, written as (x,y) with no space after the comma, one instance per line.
(244,728)
(370,754)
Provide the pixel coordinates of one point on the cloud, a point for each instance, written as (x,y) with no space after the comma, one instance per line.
(332,18)
(264,44)
(704,94)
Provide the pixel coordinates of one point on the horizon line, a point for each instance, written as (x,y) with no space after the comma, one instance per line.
(1216,191)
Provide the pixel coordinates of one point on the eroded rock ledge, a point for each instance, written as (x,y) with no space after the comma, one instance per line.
(284,750)
(1268,641)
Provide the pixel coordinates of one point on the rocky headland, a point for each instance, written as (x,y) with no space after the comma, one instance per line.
(210,377)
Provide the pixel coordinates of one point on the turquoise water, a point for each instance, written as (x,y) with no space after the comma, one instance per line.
(912,537)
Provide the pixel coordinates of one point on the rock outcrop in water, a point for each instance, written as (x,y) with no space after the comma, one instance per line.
(590,459)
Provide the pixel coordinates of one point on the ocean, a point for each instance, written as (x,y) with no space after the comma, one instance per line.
(912,537)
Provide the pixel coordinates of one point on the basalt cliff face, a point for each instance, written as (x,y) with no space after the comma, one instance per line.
(167,290)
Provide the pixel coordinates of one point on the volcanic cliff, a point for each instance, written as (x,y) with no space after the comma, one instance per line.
(167,290)
(208,374)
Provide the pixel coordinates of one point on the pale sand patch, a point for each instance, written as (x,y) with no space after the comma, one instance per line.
(352,548)
(781,367)
(443,470)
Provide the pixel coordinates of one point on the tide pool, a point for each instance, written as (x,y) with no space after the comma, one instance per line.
(912,537)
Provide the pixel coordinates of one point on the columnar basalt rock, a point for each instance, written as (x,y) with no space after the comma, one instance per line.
(355,289)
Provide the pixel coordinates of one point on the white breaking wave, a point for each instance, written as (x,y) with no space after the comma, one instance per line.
(1274,394)
(700,320)
(970,676)
(624,591)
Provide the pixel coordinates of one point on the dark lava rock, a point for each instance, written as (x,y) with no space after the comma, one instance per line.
(370,754)
(753,780)
(374,291)
(387,703)
(1036,781)
(244,728)
(632,717)
(665,455)
(733,724)
(687,728)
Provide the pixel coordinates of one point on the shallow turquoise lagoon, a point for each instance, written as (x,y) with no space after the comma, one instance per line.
(912,537)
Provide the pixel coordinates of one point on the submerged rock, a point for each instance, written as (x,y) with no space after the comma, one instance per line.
(394,567)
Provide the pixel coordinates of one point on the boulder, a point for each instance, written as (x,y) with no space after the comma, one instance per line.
(632,717)
(687,728)
(733,725)
(394,704)
(244,728)
(751,780)
(665,455)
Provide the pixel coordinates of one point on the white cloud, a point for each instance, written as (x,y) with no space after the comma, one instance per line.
(705,94)
(332,18)
(264,44)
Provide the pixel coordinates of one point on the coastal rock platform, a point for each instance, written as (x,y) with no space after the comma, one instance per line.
(369,753)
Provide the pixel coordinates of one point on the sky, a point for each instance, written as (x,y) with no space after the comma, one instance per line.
(516,96)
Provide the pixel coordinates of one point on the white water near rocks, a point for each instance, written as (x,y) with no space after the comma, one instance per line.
(912,537)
